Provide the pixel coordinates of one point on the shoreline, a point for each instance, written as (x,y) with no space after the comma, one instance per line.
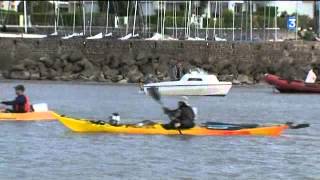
(79,82)
(122,62)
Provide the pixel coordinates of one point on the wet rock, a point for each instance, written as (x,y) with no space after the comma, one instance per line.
(244,79)
(244,68)
(57,65)
(110,73)
(68,68)
(99,76)
(123,81)
(75,56)
(134,75)
(147,69)
(88,69)
(113,62)
(52,74)
(117,78)
(66,77)
(47,61)
(21,75)
(35,76)
(141,55)
(236,82)
(228,78)
(18,67)
(42,70)
(150,78)
(64,56)
(128,60)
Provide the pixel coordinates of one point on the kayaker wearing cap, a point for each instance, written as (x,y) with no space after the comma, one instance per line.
(311,77)
(181,118)
(21,104)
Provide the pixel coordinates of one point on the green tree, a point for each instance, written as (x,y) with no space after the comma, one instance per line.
(227,17)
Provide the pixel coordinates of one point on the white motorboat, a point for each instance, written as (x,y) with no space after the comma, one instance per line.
(195,83)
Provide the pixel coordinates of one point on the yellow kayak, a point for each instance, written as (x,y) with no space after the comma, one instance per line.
(30,116)
(89,126)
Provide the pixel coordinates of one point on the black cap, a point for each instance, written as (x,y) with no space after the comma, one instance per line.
(19,87)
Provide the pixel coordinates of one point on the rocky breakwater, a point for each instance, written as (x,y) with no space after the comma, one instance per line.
(135,61)
(74,65)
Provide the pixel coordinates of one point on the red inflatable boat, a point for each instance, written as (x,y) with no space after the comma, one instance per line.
(295,86)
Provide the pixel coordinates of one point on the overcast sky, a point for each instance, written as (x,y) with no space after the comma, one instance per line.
(290,7)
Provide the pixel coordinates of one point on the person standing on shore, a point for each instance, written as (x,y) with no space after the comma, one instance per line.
(21,104)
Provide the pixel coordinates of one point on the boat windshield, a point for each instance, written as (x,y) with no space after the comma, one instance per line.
(197,71)
(195,79)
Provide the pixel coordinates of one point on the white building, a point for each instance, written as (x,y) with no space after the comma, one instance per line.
(9,5)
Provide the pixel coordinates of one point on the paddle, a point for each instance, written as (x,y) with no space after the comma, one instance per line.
(154,93)
(297,126)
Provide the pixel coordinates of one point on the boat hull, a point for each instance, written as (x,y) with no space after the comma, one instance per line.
(86,126)
(193,90)
(295,86)
(32,116)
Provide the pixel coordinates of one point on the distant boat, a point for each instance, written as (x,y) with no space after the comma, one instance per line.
(72,35)
(128,36)
(97,36)
(22,35)
(158,36)
(294,86)
(219,39)
(195,39)
(195,83)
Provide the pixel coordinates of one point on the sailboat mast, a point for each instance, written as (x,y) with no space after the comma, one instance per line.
(208,11)
(275,24)
(91,17)
(215,19)
(189,18)
(164,17)
(264,20)
(25,16)
(175,20)
(185,19)
(127,27)
(55,13)
(74,17)
(251,20)
(233,20)
(135,16)
(107,24)
(84,17)
(146,17)
(241,22)
(296,20)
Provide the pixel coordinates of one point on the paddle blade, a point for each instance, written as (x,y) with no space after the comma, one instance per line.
(154,93)
(299,126)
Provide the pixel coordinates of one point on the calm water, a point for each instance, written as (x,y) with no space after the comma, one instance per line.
(47,150)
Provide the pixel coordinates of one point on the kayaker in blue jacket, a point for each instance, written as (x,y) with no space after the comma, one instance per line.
(20,104)
(181,118)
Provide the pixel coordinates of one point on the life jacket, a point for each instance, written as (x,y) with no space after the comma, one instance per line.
(26,107)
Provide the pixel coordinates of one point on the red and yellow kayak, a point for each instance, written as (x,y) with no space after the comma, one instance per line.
(31,116)
(88,126)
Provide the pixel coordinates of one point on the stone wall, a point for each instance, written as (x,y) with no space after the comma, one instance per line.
(135,60)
